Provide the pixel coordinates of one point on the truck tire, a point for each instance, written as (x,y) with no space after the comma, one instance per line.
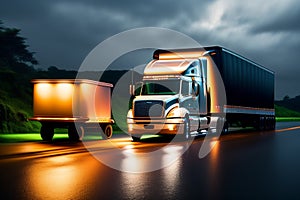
(47,132)
(273,123)
(135,139)
(108,131)
(75,134)
(260,123)
(186,129)
(225,129)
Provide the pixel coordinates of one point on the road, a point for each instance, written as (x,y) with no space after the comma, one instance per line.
(241,165)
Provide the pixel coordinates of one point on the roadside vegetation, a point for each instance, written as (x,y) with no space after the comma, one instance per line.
(284,114)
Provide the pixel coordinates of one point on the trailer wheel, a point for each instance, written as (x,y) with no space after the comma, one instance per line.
(260,123)
(273,123)
(47,132)
(108,131)
(186,129)
(75,134)
(225,129)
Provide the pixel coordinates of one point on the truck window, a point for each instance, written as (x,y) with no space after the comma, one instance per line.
(161,87)
(185,88)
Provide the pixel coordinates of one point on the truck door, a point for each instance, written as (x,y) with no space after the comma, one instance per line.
(189,100)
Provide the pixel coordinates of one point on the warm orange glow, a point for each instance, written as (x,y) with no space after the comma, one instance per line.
(43,90)
(71,99)
(64,91)
(171,127)
(288,129)
(53,99)
(216,87)
(174,55)
(214,162)
(94,102)
(55,177)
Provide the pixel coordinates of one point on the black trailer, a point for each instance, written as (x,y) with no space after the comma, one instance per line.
(249,89)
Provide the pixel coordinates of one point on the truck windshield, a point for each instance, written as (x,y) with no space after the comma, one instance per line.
(161,87)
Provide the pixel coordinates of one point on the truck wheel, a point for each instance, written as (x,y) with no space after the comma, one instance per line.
(186,129)
(47,132)
(74,134)
(135,139)
(108,131)
(260,123)
(80,132)
(273,123)
(225,129)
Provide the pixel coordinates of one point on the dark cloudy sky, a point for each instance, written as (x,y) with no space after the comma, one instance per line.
(63,32)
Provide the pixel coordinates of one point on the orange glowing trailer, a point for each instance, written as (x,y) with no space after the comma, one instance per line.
(75,104)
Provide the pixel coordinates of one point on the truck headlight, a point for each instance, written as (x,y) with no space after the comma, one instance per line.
(130,117)
(175,112)
(130,114)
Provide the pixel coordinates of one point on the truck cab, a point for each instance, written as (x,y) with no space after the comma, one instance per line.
(172,99)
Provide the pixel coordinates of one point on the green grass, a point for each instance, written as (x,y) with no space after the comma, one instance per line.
(285,112)
(287,119)
(35,137)
(26,137)
(60,134)
(286,115)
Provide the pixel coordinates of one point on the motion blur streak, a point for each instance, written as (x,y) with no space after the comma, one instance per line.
(288,129)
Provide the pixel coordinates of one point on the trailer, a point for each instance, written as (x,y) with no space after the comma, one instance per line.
(249,89)
(75,104)
(187,91)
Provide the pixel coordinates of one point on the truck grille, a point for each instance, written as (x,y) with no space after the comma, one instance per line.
(148,109)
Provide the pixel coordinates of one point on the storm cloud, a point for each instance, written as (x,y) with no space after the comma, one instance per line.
(63,32)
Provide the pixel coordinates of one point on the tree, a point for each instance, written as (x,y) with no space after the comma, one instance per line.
(286,98)
(13,49)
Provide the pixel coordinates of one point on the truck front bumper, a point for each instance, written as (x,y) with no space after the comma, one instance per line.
(162,126)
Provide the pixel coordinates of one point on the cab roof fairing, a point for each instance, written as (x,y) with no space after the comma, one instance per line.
(190,67)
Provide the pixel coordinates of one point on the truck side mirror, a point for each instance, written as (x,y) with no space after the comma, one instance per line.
(135,89)
(195,89)
(132,90)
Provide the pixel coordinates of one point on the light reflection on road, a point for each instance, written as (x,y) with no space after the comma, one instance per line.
(139,157)
(56,177)
(139,184)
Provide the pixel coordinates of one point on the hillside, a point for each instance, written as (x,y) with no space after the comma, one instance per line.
(290,103)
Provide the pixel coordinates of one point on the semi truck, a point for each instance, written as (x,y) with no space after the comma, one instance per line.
(192,91)
(75,104)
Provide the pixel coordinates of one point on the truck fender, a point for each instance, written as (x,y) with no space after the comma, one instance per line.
(178,113)
(216,124)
